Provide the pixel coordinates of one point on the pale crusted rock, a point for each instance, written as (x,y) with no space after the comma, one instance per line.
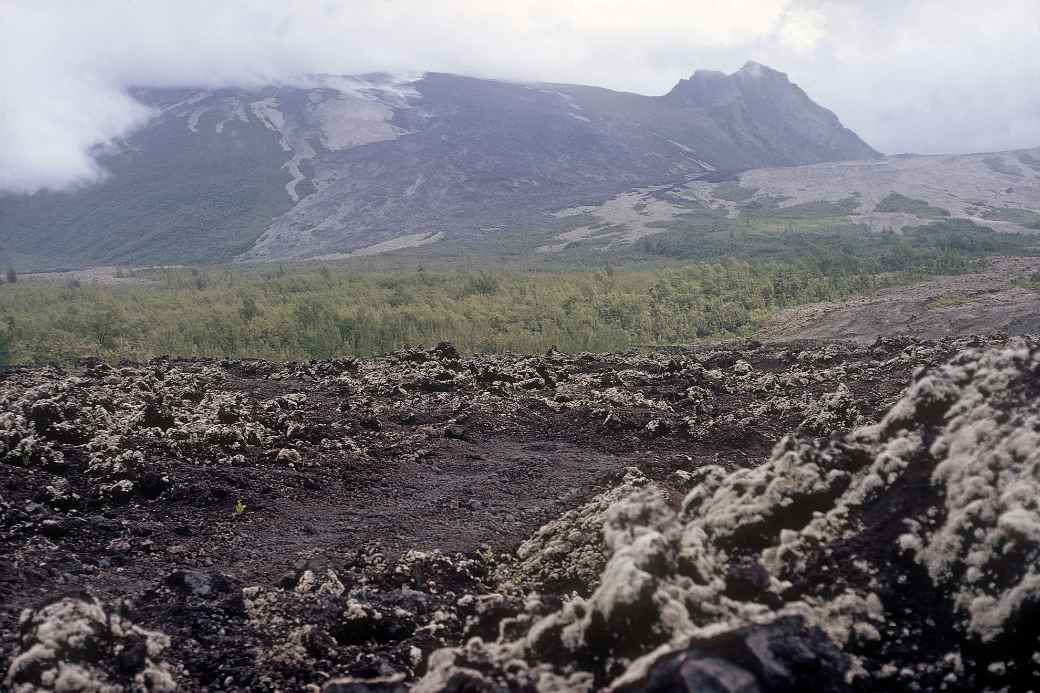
(570,552)
(79,645)
(833,413)
(20,444)
(949,477)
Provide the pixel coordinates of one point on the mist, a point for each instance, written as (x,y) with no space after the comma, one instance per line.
(924,76)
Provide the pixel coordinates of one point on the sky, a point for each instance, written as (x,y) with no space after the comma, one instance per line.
(922,76)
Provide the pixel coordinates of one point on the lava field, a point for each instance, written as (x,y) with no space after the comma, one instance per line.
(829,516)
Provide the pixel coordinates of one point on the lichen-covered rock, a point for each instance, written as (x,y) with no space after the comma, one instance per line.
(21,445)
(81,645)
(374,621)
(394,683)
(570,552)
(835,412)
(480,668)
(907,546)
(778,657)
(906,550)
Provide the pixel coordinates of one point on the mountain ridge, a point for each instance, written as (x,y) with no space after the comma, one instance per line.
(337,164)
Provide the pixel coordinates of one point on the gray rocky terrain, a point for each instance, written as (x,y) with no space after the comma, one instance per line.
(1002,297)
(833,516)
(898,556)
(1000,191)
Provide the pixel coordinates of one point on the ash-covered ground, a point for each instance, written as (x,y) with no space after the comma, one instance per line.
(779,517)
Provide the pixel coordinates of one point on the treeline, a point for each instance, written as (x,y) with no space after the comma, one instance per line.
(307,312)
(941,246)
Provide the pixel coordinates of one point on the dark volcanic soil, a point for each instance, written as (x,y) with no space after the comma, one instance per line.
(164,489)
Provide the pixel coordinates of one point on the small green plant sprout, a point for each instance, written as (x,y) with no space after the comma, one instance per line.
(240,508)
(486,554)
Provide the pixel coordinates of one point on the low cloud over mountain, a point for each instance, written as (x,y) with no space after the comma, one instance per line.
(887,67)
(345,164)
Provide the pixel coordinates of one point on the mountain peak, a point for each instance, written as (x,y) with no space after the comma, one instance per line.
(754,70)
(706,87)
(763,110)
(707,75)
(750,69)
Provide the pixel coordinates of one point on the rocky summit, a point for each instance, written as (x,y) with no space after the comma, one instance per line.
(827,516)
(334,165)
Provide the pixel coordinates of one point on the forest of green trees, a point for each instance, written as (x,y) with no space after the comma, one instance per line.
(320,311)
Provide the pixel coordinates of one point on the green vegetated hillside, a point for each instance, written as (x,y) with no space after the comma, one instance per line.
(678,286)
(1025,217)
(150,210)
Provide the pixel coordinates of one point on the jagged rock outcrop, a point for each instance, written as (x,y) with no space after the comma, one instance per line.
(763,111)
(83,645)
(569,553)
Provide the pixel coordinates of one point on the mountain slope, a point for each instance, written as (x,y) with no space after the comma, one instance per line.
(768,115)
(999,191)
(333,165)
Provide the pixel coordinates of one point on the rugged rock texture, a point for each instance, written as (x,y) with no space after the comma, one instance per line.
(255,526)
(569,553)
(77,645)
(994,191)
(900,555)
(763,111)
(996,298)
(335,165)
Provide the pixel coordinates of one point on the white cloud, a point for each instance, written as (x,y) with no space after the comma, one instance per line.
(67,63)
(925,75)
(802,29)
